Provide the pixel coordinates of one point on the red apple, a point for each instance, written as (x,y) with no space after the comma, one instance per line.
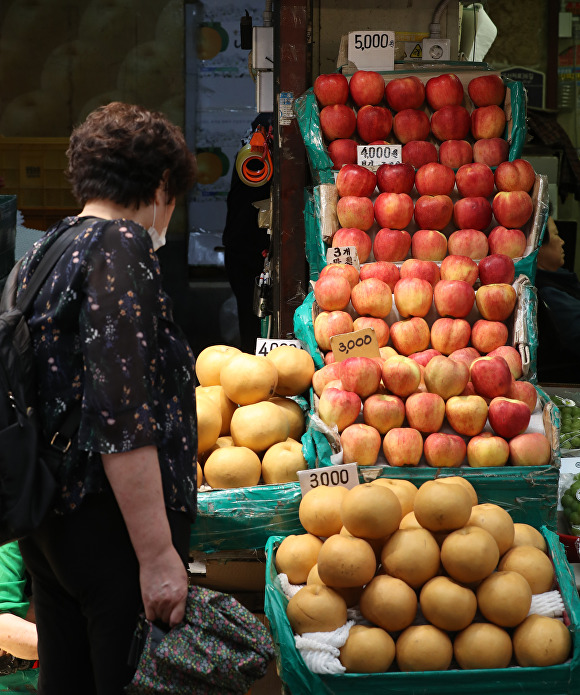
(491,376)
(475,180)
(383,412)
(459,267)
(450,335)
(332,292)
(425,356)
(413,297)
(485,451)
(467,415)
(411,124)
(419,152)
(509,242)
(433,211)
(496,268)
(337,121)
(466,354)
(488,335)
(491,151)
(470,243)
(391,244)
(405,93)
(530,449)
(401,375)
(524,391)
(360,444)
(393,210)
(428,244)
(444,90)
(395,178)
(362,375)
(486,90)
(331,89)
(425,412)
(355,211)
(444,450)
(410,335)
(512,208)
(508,417)
(383,270)
(372,297)
(356,180)
(451,123)
(453,298)
(342,151)
(324,376)
(353,236)
(373,122)
(455,153)
(329,323)
(338,407)
(366,87)
(434,179)
(446,377)
(346,270)
(416,268)
(488,122)
(329,358)
(496,302)
(379,326)
(518,175)
(512,357)
(403,446)
(472,213)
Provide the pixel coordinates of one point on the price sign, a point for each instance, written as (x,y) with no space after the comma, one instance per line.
(375,155)
(343,254)
(265,345)
(372,50)
(361,343)
(344,475)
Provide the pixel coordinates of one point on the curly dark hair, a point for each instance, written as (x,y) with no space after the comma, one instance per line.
(122,152)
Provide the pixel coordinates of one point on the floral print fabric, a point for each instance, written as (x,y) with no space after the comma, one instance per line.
(104,336)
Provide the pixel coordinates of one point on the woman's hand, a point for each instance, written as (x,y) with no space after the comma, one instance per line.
(164,588)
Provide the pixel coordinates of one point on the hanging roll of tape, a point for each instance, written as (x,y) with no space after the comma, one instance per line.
(254,163)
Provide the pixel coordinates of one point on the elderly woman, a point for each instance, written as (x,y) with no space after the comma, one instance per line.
(105,342)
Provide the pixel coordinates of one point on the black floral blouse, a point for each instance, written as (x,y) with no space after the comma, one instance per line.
(103,335)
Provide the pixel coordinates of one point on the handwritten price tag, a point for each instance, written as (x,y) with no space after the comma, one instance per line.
(375,155)
(344,475)
(361,343)
(343,254)
(265,345)
(372,50)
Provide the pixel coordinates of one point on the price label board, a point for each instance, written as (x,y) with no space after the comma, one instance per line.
(347,255)
(264,345)
(372,50)
(374,155)
(361,343)
(343,475)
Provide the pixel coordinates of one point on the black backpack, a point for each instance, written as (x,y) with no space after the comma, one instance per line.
(28,463)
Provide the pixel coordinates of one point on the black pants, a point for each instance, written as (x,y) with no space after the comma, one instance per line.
(242,270)
(85,586)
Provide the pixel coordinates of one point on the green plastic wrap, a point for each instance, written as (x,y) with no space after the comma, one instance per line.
(315,246)
(308,118)
(304,329)
(563,679)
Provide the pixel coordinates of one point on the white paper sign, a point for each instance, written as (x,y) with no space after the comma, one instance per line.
(265,345)
(372,50)
(375,155)
(347,255)
(345,475)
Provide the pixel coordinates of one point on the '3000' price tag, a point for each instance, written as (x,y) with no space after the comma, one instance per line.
(344,475)
(362,343)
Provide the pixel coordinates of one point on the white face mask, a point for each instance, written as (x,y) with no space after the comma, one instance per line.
(158,238)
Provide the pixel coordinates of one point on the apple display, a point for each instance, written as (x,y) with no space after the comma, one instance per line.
(373,123)
(496,302)
(425,356)
(405,93)
(491,151)
(446,377)
(530,449)
(395,178)
(512,209)
(413,297)
(467,415)
(329,323)
(451,122)
(379,326)
(331,89)
(491,376)
(488,335)
(410,335)
(475,180)
(356,180)
(518,175)
(419,152)
(466,354)
(455,153)
(512,357)
(433,212)
(338,408)
(332,292)
(428,244)
(472,243)
(337,121)
(488,122)
(524,391)
(472,213)
(366,87)
(487,450)
(403,446)
(342,151)
(360,444)
(510,242)
(416,268)
(444,90)
(425,412)
(459,267)
(353,236)
(393,210)
(345,270)
(496,268)
(453,298)
(372,297)
(508,417)
(449,335)
(486,90)
(324,376)
(355,211)
(411,124)
(383,412)
(434,179)
(362,375)
(401,375)
(383,270)
(391,245)
(444,450)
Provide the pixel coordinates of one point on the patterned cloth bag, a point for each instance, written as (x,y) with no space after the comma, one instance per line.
(219,649)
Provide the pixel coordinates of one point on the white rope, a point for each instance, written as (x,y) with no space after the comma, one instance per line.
(549,604)
(321,650)
(289,590)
